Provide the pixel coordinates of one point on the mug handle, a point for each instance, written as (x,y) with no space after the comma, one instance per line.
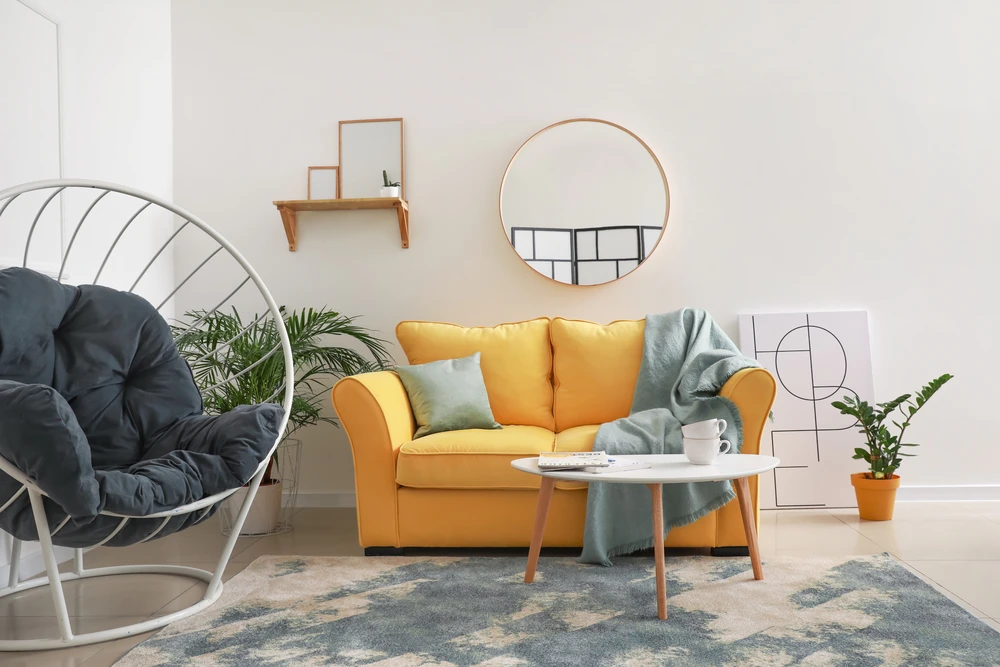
(722,426)
(726,450)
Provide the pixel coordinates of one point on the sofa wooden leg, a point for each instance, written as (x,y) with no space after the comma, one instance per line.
(383,551)
(731,551)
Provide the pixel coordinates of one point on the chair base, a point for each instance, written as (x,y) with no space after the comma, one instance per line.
(54,579)
(729,552)
(111,633)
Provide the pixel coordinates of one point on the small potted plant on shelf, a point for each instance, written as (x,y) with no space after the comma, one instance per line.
(876,488)
(389,189)
(234,364)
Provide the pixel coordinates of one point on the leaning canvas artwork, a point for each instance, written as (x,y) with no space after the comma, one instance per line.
(817,357)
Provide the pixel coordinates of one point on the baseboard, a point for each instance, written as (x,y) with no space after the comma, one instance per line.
(33,564)
(326,499)
(948,493)
(938,492)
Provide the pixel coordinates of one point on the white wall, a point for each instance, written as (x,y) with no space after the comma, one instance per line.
(820,156)
(29,128)
(115,97)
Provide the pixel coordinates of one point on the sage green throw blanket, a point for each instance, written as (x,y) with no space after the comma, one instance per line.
(686,358)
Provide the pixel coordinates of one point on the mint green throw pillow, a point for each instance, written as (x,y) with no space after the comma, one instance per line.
(448,395)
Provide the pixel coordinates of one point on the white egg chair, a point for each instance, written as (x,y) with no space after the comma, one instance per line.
(21,210)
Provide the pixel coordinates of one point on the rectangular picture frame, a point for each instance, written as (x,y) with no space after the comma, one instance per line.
(316,182)
(342,191)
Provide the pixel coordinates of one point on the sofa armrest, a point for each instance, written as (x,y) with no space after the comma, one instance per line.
(375,412)
(753,391)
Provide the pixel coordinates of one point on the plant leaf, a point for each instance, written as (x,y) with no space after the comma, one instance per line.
(236,363)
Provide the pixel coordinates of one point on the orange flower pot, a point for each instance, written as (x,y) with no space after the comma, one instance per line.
(876,497)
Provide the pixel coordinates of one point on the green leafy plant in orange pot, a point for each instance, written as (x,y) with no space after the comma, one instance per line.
(876,488)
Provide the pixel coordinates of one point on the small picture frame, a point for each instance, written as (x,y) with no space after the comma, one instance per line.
(324,183)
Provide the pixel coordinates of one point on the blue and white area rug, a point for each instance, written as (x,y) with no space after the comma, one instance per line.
(409,612)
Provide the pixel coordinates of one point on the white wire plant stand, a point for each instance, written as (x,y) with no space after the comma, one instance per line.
(142,206)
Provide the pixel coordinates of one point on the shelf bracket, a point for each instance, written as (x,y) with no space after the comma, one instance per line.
(403,213)
(290,221)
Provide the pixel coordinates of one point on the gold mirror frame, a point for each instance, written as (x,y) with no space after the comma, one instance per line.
(656,161)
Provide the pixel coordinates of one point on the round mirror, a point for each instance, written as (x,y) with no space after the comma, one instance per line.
(584,201)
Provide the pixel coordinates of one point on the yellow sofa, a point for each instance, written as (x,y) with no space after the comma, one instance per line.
(551,383)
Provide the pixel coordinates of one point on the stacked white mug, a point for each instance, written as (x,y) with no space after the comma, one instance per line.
(703,441)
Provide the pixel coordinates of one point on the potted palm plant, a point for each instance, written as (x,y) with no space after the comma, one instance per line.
(876,488)
(220,346)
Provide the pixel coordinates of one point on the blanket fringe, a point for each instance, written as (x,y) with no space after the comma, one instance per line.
(648,543)
(718,503)
(737,422)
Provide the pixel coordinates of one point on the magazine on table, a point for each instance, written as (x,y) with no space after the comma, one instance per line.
(572,460)
(592,462)
(618,465)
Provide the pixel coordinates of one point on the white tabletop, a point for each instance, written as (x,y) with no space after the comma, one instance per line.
(665,469)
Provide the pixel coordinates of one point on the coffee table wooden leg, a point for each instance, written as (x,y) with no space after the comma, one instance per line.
(749,525)
(541,514)
(661,574)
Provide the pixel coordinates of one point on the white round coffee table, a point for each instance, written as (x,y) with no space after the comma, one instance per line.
(664,469)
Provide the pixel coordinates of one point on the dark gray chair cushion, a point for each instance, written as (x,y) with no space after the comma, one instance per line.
(39,416)
(98,407)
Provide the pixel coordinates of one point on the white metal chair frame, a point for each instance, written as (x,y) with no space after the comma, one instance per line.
(53,578)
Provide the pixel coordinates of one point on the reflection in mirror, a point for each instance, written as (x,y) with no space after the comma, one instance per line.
(367,147)
(584,201)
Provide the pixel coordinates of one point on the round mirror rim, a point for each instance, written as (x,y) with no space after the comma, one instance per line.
(656,161)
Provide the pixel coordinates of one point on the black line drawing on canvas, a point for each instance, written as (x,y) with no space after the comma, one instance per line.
(806,348)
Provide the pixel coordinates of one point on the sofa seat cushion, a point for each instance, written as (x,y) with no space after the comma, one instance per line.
(472,459)
(594,368)
(516,361)
(577,439)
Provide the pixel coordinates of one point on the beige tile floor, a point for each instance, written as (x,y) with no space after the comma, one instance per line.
(953,546)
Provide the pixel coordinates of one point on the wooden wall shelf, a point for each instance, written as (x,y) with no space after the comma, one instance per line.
(290,208)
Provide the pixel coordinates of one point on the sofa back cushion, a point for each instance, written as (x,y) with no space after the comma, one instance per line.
(516,361)
(594,368)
